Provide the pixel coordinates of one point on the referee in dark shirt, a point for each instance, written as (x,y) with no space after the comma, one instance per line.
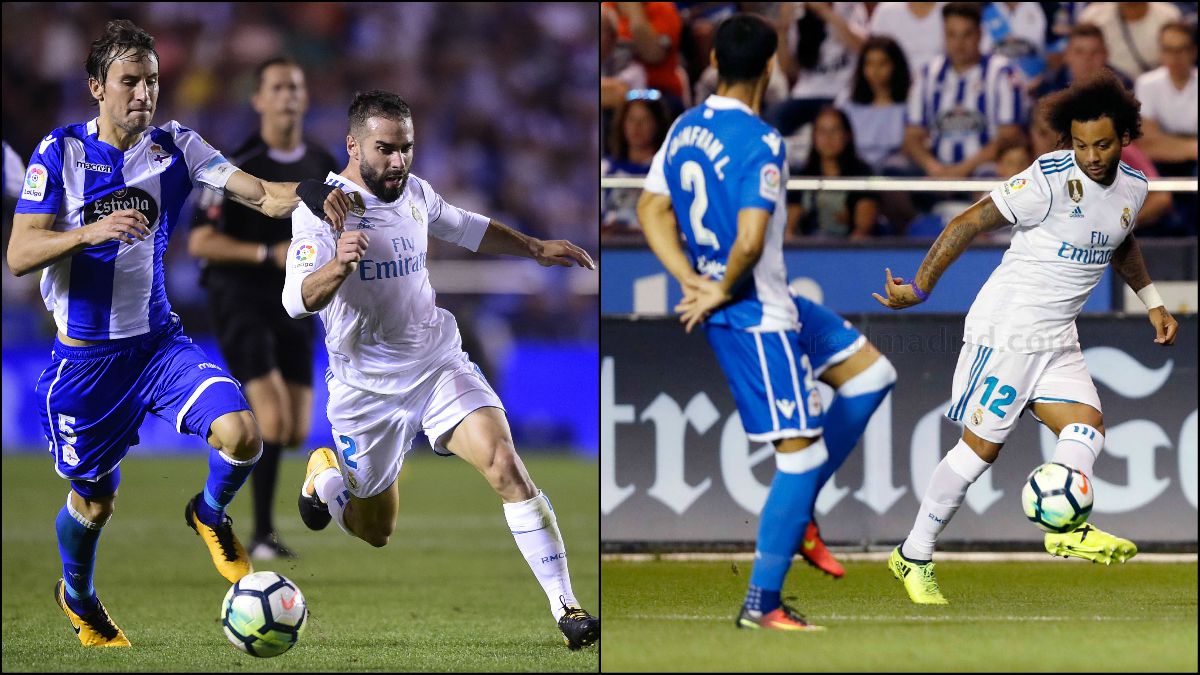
(243,254)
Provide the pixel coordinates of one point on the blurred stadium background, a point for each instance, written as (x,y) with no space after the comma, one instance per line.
(676,470)
(504,102)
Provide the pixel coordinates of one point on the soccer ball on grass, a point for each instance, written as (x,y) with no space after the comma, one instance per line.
(1057,498)
(264,614)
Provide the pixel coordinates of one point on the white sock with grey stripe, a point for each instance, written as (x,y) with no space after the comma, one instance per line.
(331,488)
(535,530)
(947,487)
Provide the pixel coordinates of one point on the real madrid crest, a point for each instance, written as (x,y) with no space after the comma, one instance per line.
(1126,218)
(357,207)
(1075,189)
(417,215)
(977,417)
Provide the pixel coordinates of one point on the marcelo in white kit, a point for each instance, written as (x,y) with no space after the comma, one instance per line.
(1073,213)
(396,364)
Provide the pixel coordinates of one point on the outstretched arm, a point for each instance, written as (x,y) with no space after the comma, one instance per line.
(983,216)
(501,239)
(1128,263)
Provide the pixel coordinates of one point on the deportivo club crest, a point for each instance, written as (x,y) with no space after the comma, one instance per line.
(1126,218)
(1075,189)
(157,154)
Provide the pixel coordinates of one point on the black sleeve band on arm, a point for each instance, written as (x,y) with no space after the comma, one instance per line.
(313,193)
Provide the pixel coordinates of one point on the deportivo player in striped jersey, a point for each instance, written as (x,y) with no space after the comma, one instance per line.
(99,203)
(1072,213)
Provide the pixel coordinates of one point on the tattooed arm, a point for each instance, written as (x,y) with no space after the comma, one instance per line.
(1129,265)
(983,216)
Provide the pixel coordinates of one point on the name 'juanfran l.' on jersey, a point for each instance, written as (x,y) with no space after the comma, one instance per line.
(717,159)
(383,329)
(1065,229)
(115,289)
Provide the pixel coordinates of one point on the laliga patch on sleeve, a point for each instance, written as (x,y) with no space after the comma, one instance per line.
(768,182)
(302,257)
(1013,186)
(36,178)
(217,172)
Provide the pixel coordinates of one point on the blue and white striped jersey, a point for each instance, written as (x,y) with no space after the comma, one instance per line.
(116,289)
(963,111)
(717,159)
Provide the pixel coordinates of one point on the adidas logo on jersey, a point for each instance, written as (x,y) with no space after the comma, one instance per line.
(1077,212)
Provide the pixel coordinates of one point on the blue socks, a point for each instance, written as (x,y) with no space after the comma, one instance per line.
(845,422)
(77,548)
(225,477)
(781,526)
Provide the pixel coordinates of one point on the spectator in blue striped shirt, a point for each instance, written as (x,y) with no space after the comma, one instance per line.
(962,103)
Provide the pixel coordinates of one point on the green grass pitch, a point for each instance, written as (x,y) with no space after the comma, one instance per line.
(450,592)
(1056,616)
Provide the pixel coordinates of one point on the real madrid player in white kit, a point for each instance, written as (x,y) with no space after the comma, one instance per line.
(1072,213)
(396,364)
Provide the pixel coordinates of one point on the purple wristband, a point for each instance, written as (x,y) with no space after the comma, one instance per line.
(918,292)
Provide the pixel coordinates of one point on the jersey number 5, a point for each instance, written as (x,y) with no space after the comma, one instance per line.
(691,176)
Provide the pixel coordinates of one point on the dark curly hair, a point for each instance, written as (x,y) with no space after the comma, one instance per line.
(1102,95)
(120,36)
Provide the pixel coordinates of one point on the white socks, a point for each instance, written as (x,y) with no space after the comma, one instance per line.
(535,529)
(331,488)
(1078,446)
(947,488)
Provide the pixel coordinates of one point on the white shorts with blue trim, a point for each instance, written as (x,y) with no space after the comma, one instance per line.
(993,387)
(373,432)
(771,380)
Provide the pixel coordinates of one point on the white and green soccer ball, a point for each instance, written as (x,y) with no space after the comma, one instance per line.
(264,614)
(1057,498)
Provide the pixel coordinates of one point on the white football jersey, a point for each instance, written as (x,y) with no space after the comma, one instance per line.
(383,331)
(1065,229)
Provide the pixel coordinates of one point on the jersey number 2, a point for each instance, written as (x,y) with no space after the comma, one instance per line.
(691,176)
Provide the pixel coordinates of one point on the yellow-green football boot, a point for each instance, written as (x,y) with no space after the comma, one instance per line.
(1090,543)
(919,580)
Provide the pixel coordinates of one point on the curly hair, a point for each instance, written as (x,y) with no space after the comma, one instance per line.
(120,36)
(1102,95)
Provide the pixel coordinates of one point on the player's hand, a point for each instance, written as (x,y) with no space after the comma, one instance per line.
(128,226)
(325,201)
(351,247)
(700,298)
(561,252)
(899,294)
(1165,326)
(278,254)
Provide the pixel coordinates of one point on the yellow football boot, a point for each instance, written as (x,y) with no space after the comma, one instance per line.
(919,580)
(95,629)
(1090,543)
(227,553)
(313,511)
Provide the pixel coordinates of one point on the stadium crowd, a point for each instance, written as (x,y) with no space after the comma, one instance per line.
(946,90)
(505,119)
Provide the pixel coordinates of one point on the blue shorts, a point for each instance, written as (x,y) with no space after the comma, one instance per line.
(95,398)
(827,338)
(771,380)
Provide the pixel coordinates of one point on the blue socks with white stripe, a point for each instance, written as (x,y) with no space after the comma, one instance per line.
(77,541)
(535,530)
(225,477)
(850,412)
(781,525)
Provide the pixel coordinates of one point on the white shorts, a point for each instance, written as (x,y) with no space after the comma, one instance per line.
(992,388)
(372,432)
